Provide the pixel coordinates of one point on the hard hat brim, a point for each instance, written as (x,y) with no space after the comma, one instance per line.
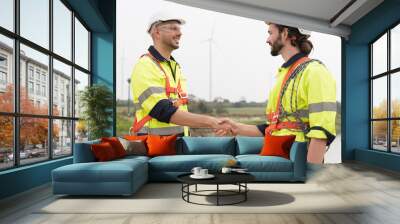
(181,22)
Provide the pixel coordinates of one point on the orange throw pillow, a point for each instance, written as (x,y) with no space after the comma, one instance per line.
(161,145)
(277,145)
(103,151)
(116,145)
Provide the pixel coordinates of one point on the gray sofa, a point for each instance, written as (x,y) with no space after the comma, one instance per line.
(125,176)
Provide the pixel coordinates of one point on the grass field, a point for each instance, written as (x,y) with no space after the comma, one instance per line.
(246,111)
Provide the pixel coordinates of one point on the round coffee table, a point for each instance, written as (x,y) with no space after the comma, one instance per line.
(238,179)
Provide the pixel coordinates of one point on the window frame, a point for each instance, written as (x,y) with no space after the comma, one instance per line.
(389,73)
(16,114)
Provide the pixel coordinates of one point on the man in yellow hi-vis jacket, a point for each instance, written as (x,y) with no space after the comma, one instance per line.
(158,86)
(303,100)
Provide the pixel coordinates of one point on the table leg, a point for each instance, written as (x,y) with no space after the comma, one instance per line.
(245,193)
(217,194)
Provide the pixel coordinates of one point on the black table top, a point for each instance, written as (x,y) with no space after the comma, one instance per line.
(220,178)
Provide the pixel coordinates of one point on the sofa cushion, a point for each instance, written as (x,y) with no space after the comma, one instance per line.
(83,152)
(112,171)
(257,163)
(206,145)
(131,158)
(249,145)
(185,163)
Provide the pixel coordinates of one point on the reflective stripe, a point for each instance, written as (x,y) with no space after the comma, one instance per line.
(148,92)
(162,131)
(315,108)
(321,107)
(300,113)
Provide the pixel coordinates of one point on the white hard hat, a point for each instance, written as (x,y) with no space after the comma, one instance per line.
(163,16)
(301,30)
(304,31)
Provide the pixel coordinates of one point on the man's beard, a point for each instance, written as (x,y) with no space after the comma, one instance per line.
(276,47)
(172,45)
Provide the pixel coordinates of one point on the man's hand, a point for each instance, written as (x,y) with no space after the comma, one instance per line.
(316,151)
(229,127)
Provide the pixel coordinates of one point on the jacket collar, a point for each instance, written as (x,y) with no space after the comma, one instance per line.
(293,59)
(153,51)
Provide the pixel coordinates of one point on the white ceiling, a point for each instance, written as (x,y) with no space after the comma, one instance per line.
(325,16)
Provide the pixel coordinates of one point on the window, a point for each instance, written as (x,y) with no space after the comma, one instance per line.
(6,74)
(44,91)
(62,75)
(30,87)
(62,29)
(81,81)
(3,72)
(7,14)
(3,78)
(38,89)
(7,142)
(33,148)
(62,140)
(385,97)
(81,45)
(44,77)
(56,79)
(30,72)
(35,21)
(37,74)
(55,128)
(3,61)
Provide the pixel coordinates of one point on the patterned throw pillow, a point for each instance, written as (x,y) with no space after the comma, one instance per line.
(134,147)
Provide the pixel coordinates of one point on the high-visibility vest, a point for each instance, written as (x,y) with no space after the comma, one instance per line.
(303,101)
(150,83)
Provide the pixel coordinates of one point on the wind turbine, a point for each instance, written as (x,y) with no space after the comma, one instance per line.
(210,41)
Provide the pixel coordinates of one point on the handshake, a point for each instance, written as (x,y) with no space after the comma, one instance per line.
(225,127)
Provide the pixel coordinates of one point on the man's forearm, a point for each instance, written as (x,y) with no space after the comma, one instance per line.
(248,130)
(193,120)
(316,150)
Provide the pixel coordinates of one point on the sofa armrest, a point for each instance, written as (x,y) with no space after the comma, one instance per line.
(83,152)
(298,155)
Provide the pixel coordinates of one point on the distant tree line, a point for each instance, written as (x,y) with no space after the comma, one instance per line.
(197,105)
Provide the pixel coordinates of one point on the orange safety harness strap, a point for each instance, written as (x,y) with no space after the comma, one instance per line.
(274,117)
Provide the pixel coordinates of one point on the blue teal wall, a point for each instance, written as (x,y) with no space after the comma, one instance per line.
(355,78)
(102,64)
(99,17)
(24,178)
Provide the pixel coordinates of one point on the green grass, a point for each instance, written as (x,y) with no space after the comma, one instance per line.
(246,111)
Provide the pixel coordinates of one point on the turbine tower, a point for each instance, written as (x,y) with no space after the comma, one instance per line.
(210,41)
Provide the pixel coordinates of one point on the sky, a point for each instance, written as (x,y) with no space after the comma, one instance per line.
(242,66)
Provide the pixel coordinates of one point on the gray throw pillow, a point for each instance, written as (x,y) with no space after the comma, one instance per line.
(133,147)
